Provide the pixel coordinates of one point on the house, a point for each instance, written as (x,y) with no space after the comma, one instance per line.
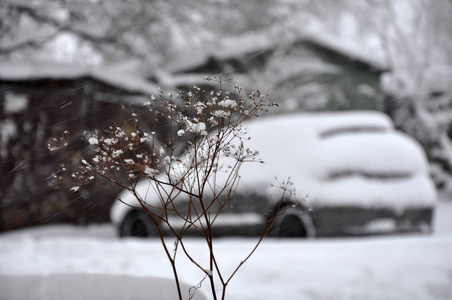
(304,73)
(39,101)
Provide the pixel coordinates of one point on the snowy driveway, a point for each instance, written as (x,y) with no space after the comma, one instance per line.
(395,267)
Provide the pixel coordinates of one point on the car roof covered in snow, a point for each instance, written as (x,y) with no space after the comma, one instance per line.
(340,158)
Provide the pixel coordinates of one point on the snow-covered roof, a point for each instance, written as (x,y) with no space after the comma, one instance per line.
(227,48)
(346,48)
(255,42)
(114,75)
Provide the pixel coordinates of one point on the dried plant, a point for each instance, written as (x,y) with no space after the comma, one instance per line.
(198,161)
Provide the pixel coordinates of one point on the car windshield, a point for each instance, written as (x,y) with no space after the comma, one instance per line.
(351,129)
(389,175)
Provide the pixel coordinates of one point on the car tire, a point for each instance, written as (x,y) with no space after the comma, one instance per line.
(294,222)
(137,224)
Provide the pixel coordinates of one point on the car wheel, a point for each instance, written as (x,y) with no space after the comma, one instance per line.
(294,222)
(137,224)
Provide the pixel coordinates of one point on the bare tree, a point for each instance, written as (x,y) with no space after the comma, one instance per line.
(151,31)
(193,188)
(109,28)
(417,40)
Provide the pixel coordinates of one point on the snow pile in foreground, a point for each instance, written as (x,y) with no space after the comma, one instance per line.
(78,286)
(413,267)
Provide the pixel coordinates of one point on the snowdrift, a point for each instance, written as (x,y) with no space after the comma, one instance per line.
(80,286)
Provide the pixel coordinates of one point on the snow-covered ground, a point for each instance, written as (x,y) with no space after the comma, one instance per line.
(384,267)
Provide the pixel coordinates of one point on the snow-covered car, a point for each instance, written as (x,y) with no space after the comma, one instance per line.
(360,175)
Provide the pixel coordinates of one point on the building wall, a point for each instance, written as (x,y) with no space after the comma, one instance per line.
(32,112)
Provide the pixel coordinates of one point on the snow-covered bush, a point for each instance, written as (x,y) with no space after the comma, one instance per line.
(207,127)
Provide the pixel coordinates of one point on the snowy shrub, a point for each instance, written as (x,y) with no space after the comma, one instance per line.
(199,160)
